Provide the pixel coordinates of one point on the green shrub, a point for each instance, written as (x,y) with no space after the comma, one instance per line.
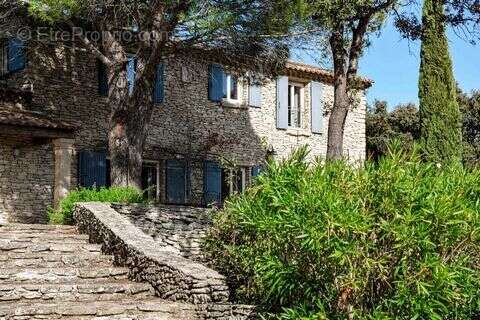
(397,239)
(64,215)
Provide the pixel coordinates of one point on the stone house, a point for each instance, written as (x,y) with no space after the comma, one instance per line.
(210,134)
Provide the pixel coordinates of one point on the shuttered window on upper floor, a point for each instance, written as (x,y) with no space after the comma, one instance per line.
(316,101)
(102,79)
(217,88)
(255,93)
(12,56)
(131,73)
(158,88)
(159,85)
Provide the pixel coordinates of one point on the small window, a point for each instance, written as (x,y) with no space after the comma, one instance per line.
(231,85)
(295,105)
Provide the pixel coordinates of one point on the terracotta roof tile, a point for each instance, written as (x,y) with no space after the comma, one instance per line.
(32,119)
(322,73)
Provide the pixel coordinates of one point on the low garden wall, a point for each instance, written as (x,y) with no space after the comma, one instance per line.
(177,229)
(173,277)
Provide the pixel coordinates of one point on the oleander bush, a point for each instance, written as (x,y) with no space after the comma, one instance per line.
(395,239)
(64,214)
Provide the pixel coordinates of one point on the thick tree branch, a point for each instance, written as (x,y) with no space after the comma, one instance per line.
(90,46)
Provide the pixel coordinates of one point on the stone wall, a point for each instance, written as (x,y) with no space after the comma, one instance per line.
(172,276)
(64,84)
(175,228)
(26,182)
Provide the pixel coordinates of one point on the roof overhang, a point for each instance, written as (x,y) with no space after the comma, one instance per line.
(21,125)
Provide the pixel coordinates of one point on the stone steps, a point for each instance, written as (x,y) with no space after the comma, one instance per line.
(52,272)
(40,246)
(61,275)
(120,309)
(79,291)
(51,260)
(44,236)
(38,228)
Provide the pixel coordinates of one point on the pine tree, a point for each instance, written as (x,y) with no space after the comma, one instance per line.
(441,134)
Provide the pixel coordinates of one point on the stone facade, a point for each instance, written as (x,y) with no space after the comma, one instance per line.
(26,182)
(64,85)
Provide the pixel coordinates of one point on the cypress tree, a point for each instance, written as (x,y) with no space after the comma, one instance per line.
(441,135)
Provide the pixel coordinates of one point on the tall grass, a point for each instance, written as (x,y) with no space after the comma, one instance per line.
(64,214)
(397,239)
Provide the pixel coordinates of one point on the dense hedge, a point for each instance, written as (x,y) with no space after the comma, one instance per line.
(396,239)
(114,194)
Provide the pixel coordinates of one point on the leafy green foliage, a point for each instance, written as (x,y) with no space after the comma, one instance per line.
(470,108)
(55,10)
(64,215)
(441,135)
(395,239)
(402,124)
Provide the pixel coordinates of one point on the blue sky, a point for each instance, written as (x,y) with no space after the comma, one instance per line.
(393,64)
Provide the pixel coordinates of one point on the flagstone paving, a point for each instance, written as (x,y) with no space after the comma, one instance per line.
(52,272)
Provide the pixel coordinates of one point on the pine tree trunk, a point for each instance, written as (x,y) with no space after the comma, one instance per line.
(338,114)
(129,125)
(129,121)
(126,141)
(130,115)
(336,123)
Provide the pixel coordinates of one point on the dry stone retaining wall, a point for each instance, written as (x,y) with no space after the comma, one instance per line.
(177,229)
(173,277)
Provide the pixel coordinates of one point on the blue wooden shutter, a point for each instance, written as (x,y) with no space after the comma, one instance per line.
(131,72)
(92,169)
(158,90)
(316,104)
(16,55)
(176,178)
(256,171)
(216,83)
(282,103)
(102,79)
(212,183)
(255,94)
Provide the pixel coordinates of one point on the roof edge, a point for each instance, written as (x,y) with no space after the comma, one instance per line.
(320,73)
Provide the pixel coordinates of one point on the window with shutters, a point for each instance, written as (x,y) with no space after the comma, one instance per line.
(212,183)
(254,92)
(102,79)
(12,56)
(177,178)
(3,57)
(231,85)
(131,73)
(295,105)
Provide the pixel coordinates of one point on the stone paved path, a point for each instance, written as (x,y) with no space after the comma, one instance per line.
(52,272)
